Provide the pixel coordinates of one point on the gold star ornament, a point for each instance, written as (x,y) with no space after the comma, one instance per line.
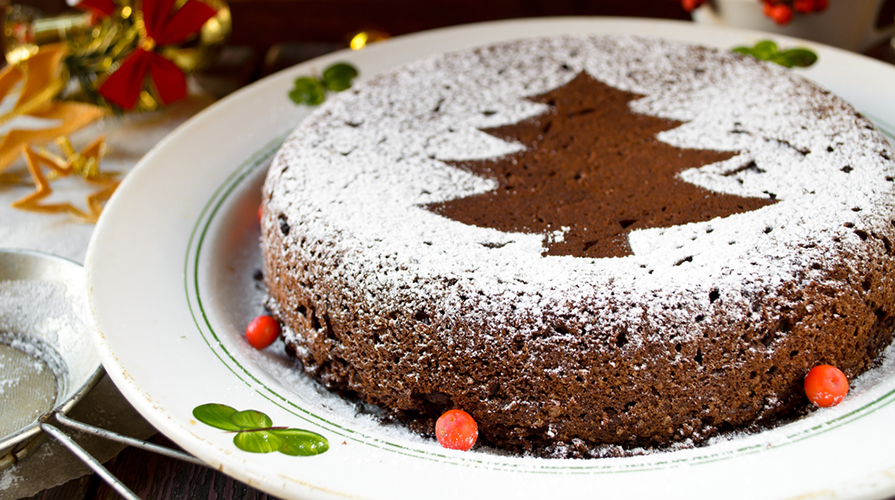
(84,164)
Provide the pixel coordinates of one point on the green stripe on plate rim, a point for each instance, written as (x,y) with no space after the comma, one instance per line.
(203,324)
(885,127)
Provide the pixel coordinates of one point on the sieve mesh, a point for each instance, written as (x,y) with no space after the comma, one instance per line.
(27,389)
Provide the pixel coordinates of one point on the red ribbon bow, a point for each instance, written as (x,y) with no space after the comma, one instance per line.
(99,8)
(123,86)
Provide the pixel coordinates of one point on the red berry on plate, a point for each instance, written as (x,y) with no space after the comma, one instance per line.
(826,385)
(456,430)
(781,14)
(262,331)
(821,5)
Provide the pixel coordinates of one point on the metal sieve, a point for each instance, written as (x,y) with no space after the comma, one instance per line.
(47,360)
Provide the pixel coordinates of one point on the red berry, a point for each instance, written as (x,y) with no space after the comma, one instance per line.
(803,6)
(769,9)
(781,14)
(456,430)
(262,331)
(820,5)
(826,385)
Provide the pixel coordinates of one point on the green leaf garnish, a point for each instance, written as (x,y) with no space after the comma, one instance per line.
(308,90)
(764,50)
(338,76)
(216,415)
(311,90)
(255,432)
(767,50)
(258,441)
(801,58)
(301,443)
(782,61)
(251,419)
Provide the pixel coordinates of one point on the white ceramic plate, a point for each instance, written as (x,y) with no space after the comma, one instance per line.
(171,271)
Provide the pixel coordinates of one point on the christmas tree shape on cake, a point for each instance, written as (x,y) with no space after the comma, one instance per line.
(593,166)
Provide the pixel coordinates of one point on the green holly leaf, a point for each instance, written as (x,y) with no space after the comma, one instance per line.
(338,77)
(216,415)
(301,443)
(744,50)
(308,91)
(258,441)
(251,419)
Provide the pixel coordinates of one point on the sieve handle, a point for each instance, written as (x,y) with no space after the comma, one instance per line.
(90,461)
(93,463)
(114,436)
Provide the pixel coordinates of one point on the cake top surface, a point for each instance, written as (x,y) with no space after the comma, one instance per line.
(362,174)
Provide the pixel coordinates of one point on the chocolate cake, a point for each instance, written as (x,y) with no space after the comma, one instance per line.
(583,241)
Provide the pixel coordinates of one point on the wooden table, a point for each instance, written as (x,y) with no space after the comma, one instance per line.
(152,476)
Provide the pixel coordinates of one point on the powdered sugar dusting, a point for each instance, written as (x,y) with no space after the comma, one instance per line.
(356,174)
(47,320)
(34,306)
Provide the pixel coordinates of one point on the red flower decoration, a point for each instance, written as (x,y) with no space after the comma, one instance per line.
(162,27)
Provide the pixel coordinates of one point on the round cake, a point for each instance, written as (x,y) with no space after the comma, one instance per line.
(583,241)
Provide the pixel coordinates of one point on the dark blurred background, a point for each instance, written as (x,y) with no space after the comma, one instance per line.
(270,35)
(261,24)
